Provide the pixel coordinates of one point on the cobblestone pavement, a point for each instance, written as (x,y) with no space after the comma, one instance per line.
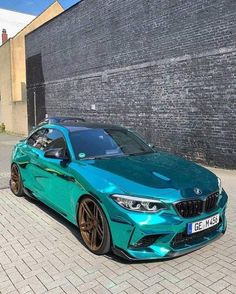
(40,252)
(4,180)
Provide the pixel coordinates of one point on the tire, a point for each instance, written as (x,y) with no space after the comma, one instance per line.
(93,225)
(16,184)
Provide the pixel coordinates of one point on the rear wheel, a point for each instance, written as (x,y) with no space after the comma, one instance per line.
(93,226)
(16,185)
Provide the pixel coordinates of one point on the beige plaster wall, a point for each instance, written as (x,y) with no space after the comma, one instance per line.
(5,84)
(13,104)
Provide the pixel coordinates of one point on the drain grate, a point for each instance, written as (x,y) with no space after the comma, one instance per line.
(4,180)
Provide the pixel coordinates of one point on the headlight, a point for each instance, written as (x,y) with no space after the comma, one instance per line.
(219,185)
(138,204)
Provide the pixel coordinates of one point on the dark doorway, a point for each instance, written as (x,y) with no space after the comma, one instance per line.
(35,90)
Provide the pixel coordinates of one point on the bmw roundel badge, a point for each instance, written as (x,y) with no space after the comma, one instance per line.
(197,191)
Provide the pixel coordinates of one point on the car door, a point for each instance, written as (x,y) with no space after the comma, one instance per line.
(33,167)
(60,182)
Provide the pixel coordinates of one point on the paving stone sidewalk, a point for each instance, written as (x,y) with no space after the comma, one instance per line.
(40,252)
(6,145)
(4,180)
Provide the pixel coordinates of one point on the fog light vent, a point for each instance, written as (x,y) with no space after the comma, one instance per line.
(146,241)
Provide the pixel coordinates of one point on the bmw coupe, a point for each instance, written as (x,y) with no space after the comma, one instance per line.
(123,195)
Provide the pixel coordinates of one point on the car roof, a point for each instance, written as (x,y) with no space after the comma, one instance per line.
(78,126)
(61,119)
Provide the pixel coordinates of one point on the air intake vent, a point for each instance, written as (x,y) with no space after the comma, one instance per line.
(146,241)
(183,239)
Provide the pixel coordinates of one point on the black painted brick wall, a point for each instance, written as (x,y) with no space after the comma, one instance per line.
(164,68)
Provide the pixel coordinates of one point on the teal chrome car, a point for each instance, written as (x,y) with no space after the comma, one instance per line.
(121,193)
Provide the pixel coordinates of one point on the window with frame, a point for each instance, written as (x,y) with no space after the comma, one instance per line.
(45,139)
(36,139)
(55,139)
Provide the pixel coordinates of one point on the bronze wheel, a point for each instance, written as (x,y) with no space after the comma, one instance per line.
(15,181)
(93,226)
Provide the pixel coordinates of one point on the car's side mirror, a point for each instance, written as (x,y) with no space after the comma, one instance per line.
(56,153)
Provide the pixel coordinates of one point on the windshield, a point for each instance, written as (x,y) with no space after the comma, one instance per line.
(99,143)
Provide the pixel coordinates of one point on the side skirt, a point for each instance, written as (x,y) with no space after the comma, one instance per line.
(29,194)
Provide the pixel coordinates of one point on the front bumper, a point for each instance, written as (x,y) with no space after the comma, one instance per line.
(138,236)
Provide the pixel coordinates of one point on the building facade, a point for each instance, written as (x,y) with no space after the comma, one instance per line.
(164,68)
(13,105)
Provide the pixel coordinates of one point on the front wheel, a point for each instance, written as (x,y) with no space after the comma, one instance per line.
(93,226)
(16,185)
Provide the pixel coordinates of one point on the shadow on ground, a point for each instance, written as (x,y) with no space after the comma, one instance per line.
(75,231)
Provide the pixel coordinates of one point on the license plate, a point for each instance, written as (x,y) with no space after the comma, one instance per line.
(203,224)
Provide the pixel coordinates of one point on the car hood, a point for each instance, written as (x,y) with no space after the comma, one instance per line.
(156,174)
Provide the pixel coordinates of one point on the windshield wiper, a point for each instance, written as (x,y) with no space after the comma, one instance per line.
(140,153)
(95,157)
(101,157)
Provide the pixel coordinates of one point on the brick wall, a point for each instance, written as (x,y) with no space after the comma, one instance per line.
(164,68)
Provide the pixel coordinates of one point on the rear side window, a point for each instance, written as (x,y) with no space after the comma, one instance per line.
(35,139)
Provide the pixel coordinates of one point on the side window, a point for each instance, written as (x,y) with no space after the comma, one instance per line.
(36,139)
(54,139)
(45,139)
